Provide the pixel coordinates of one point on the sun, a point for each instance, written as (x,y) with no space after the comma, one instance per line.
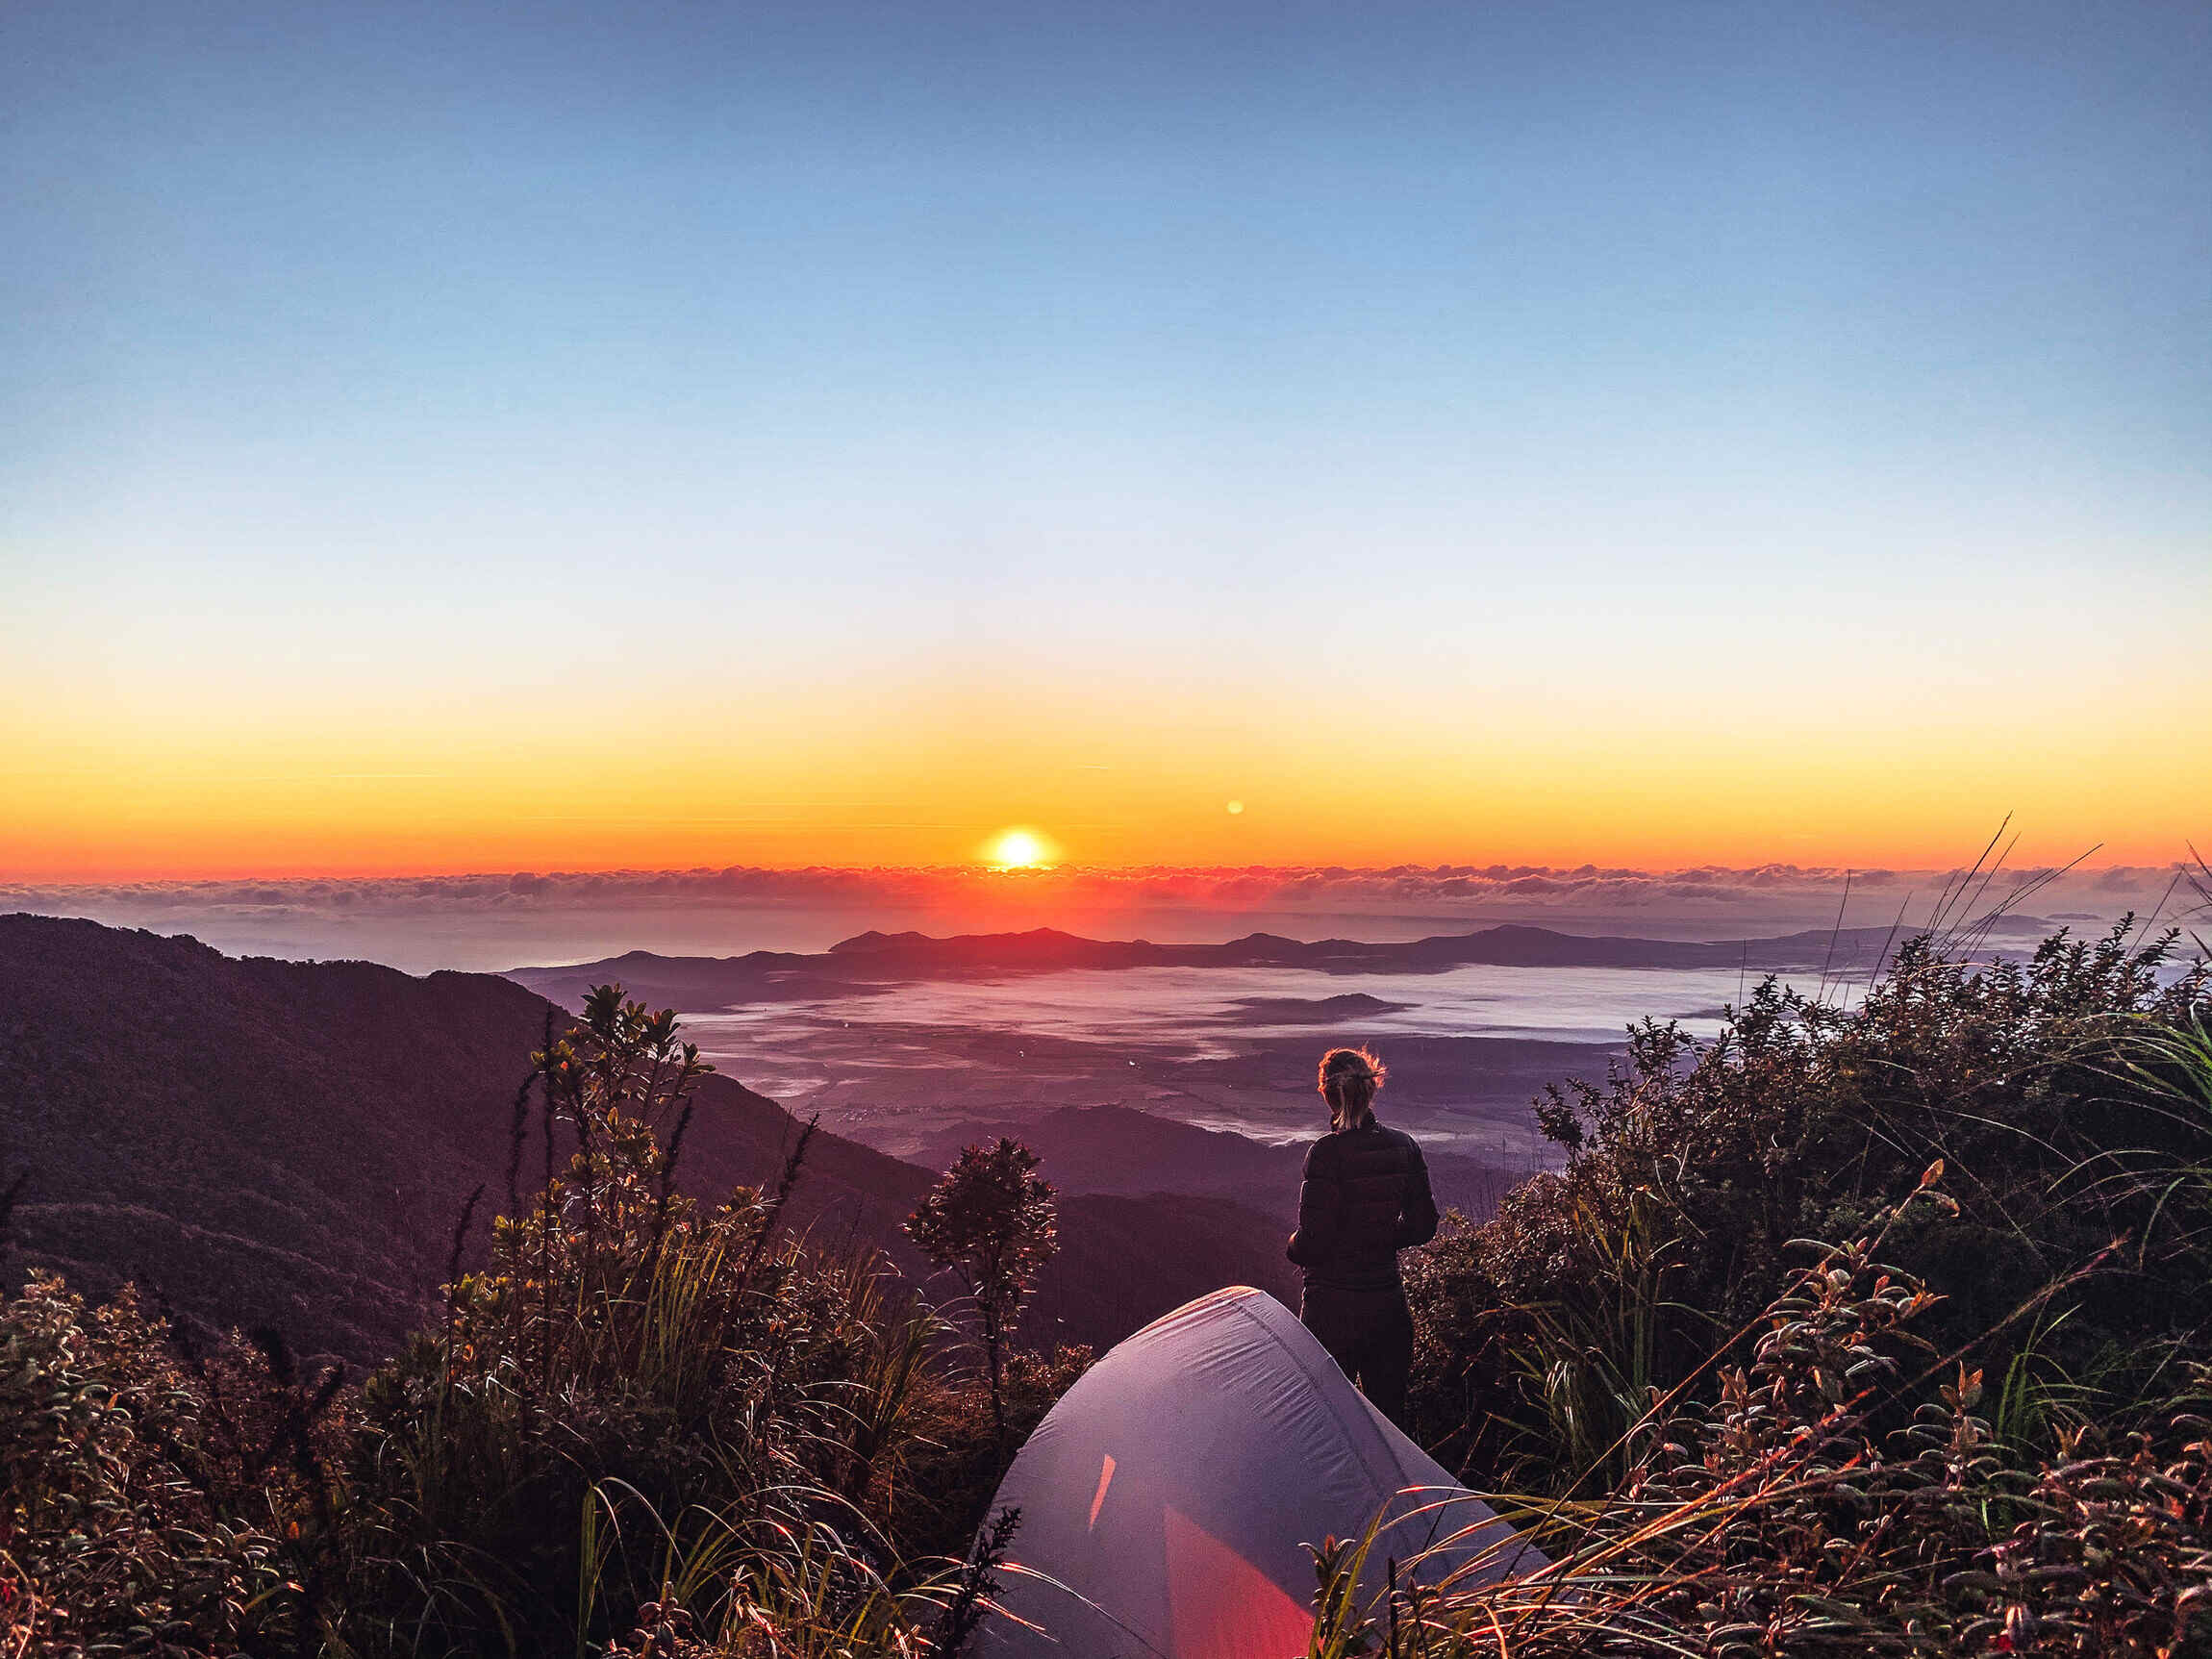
(1017,850)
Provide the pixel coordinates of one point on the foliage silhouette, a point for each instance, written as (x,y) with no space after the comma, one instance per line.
(655,1424)
(992,1221)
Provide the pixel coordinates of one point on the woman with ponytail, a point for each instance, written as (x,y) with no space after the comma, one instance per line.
(1365,1199)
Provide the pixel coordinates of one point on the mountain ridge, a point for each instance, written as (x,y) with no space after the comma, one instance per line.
(879,958)
(292,1144)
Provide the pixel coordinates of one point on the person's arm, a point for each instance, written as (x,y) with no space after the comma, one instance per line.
(1417,1216)
(1320,1210)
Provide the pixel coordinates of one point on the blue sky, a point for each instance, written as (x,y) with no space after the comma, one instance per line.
(1278,358)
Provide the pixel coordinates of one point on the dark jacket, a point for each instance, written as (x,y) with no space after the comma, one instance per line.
(1365,1199)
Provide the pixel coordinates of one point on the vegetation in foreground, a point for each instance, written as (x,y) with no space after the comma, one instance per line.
(1975,1422)
(645,1426)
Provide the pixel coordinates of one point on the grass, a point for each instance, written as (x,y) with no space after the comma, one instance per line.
(1780,1518)
(1977,1428)
(644,1425)
(649,1426)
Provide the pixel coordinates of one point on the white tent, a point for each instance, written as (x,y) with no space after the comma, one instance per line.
(1177,1484)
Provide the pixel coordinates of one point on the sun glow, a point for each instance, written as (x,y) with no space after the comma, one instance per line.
(1017,850)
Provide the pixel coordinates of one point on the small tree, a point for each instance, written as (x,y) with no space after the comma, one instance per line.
(991,1219)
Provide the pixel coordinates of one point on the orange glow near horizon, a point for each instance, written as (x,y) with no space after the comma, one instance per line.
(183,783)
(296,815)
(1194,456)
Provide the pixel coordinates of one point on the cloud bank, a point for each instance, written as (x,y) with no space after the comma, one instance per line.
(508,919)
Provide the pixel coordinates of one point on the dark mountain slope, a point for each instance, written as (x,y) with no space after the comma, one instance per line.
(292,1144)
(1122,1150)
(1125,1260)
(1118,1150)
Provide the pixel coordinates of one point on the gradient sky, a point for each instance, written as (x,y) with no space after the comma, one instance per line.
(440,438)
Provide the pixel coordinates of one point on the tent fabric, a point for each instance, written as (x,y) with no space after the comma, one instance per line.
(1177,1484)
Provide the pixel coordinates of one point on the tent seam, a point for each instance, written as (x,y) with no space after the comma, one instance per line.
(1404,1481)
(1397,1466)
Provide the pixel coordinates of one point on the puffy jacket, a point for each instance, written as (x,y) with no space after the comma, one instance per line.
(1365,1199)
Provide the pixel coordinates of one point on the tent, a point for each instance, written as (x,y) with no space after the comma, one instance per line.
(1176,1486)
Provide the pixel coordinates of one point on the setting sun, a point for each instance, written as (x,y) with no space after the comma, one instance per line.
(1017,850)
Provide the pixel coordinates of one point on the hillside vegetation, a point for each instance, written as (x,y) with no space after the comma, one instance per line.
(289,1145)
(645,1422)
(285,1144)
(1870,1328)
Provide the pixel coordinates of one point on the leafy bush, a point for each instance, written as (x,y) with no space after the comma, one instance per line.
(647,1424)
(991,1220)
(644,1408)
(957,1456)
(2052,1090)
(1977,1428)
(650,1424)
(1777,1518)
(138,1514)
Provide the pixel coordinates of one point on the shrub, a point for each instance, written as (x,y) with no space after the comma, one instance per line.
(958,1455)
(123,1528)
(644,1413)
(648,1425)
(2046,1086)
(1779,1517)
(991,1219)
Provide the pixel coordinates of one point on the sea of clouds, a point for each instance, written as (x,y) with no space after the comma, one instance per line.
(490,921)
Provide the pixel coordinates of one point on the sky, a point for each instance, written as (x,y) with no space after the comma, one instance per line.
(443,438)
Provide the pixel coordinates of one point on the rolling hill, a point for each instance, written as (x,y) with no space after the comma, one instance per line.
(291,1145)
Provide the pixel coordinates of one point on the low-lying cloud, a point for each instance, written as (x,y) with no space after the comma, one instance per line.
(513,918)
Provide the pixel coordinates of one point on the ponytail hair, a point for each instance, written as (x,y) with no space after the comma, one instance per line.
(1348,1081)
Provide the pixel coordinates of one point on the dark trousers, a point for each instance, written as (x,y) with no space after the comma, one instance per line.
(1369,1335)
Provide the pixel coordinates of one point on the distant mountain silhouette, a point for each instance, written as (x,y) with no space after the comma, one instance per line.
(292,1144)
(702,982)
(1122,1150)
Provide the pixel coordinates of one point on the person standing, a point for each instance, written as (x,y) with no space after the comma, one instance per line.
(1365,1197)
